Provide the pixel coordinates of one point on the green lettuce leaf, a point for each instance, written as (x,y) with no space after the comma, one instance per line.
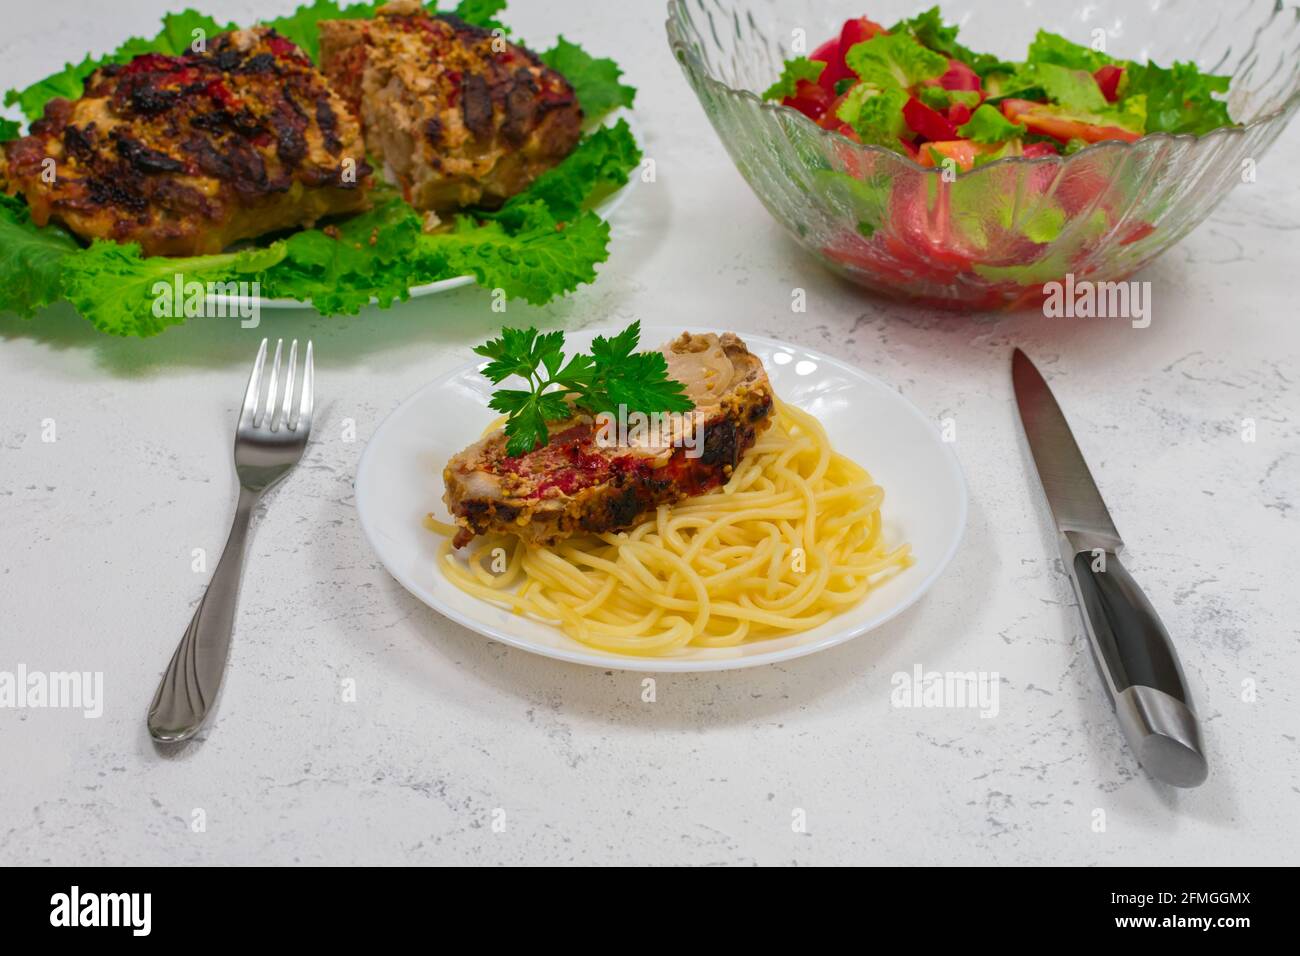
(595,81)
(1056,49)
(31,260)
(987,125)
(894,61)
(482,13)
(1180,99)
(799,69)
(123,293)
(364,257)
(9,130)
(876,115)
(937,98)
(537,262)
(929,30)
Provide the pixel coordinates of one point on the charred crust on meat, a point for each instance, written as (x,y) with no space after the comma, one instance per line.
(476,105)
(328,122)
(469,31)
(143,159)
(520,107)
(721,445)
(433,131)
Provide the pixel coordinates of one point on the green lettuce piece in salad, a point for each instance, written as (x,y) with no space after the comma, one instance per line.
(937,98)
(875,115)
(1179,99)
(894,61)
(8,130)
(1053,48)
(799,69)
(929,30)
(987,125)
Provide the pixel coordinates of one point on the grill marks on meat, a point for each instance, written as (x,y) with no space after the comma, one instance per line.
(459,117)
(188,154)
(576,484)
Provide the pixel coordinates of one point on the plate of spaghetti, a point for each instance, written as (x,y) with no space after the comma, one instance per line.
(773,502)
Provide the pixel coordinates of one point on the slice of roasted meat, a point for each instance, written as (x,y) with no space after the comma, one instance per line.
(458,115)
(188,154)
(581,482)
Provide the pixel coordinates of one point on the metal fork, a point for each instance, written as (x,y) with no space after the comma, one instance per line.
(267,444)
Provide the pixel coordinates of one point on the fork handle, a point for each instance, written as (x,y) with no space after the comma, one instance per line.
(189,686)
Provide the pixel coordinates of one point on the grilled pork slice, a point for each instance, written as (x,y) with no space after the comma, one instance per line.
(188,154)
(581,482)
(459,116)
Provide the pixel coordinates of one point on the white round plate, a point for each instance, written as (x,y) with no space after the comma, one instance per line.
(399,481)
(604,210)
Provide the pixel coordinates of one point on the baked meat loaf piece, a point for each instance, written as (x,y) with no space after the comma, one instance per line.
(458,115)
(188,154)
(579,483)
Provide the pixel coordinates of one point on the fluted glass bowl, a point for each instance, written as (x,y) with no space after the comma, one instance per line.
(994,236)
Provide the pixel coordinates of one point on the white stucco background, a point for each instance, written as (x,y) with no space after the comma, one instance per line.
(97,531)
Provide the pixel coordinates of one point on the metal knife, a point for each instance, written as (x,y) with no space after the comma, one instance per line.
(1131,647)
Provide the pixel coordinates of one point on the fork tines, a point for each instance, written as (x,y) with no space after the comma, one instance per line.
(261,409)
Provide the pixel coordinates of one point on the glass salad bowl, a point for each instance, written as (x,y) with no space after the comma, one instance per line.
(993,236)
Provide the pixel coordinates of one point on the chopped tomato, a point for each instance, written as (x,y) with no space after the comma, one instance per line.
(959,114)
(961,151)
(1108,78)
(809,99)
(856,31)
(928,122)
(959,76)
(1038,150)
(833,52)
(1041,119)
(830,115)
(1136,232)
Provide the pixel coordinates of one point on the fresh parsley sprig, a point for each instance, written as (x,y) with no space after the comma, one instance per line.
(613,375)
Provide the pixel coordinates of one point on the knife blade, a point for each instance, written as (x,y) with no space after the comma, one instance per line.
(1132,649)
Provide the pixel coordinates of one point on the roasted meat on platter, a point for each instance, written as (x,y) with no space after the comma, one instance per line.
(188,154)
(458,115)
(581,483)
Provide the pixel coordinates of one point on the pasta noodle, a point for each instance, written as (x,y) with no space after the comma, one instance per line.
(792,539)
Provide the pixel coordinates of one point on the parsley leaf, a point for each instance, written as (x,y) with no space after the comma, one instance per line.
(799,69)
(613,375)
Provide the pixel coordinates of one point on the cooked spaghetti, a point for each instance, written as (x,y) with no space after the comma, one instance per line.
(793,539)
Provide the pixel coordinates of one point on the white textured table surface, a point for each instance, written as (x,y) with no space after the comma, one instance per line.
(97,531)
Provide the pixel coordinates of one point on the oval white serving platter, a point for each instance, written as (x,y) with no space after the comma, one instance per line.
(399,481)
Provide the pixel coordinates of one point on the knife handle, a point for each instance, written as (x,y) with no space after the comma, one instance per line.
(1141,670)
